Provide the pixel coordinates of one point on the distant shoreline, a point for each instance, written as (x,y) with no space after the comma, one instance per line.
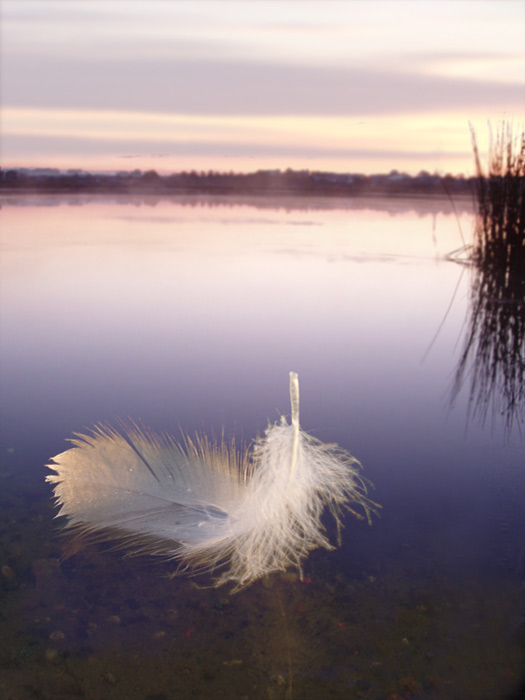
(263,183)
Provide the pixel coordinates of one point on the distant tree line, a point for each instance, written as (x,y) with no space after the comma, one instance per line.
(271,182)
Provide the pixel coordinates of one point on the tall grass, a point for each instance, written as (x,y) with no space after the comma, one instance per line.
(493,354)
(500,237)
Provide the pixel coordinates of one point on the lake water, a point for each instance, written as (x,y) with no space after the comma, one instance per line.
(189,313)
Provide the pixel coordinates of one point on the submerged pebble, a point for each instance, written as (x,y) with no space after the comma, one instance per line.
(51,656)
(57,636)
(8,573)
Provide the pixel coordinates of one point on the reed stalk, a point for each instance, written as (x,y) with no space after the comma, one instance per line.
(493,354)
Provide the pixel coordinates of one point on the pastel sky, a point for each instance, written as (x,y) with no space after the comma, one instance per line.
(342,85)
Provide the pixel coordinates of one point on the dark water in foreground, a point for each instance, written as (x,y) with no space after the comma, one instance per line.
(190,314)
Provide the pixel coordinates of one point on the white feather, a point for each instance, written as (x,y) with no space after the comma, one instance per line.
(206,503)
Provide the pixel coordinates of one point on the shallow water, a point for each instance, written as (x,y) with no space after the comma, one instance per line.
(189,313)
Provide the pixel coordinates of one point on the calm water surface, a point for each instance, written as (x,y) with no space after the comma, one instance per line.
(189,313)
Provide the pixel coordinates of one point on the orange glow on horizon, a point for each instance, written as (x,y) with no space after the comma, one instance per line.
(175,142)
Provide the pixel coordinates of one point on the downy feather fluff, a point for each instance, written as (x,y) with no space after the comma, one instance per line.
(241,514)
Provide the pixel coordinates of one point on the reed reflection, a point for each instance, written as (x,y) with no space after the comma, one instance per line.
(493,356)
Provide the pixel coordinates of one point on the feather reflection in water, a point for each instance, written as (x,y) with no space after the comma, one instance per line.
(240,514)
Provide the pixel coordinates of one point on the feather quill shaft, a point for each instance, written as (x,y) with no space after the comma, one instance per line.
(294,401)
(241,514)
